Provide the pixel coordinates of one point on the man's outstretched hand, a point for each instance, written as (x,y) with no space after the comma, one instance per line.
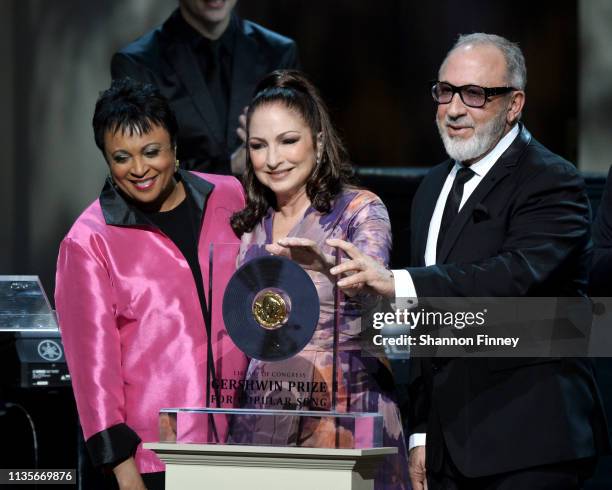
(361,271)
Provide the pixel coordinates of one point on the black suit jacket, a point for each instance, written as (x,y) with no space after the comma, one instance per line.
(524,231)
(601,271)
(163,58)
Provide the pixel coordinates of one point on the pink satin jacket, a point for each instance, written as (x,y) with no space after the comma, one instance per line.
(131,320)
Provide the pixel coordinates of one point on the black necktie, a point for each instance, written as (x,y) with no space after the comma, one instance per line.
(451,208)
(216,82)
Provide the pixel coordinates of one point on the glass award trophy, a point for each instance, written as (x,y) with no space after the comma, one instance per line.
(287,368)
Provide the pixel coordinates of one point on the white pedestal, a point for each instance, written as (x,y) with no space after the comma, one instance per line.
(204,467)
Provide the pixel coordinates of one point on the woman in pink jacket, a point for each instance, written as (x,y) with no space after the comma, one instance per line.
(132,291)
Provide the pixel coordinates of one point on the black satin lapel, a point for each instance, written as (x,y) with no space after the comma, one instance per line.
(198,189)
(512,155)
(248,67)
(117,211)
(185,64)
(426,209)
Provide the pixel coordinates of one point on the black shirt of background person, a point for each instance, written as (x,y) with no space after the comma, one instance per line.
(207,97)
(215,62)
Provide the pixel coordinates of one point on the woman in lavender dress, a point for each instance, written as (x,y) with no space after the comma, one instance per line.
(298,197)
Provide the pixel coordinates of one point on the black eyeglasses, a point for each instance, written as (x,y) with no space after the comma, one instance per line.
(471,95)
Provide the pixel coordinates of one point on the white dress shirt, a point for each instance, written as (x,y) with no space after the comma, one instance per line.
(405,291)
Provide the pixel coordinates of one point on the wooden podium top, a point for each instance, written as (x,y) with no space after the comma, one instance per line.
(237,449)
(236,467)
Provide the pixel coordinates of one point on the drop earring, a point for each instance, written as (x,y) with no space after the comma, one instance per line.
(176,165)
(319,147)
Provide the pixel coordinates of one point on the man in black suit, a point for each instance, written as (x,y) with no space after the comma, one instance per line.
(207,61)
(504,217)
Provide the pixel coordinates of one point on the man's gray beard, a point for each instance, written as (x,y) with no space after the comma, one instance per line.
(481,142)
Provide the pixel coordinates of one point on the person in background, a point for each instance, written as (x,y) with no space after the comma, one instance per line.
(132,285)
(299,193)
(207,61)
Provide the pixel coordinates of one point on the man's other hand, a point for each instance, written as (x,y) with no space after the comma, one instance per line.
(416,468)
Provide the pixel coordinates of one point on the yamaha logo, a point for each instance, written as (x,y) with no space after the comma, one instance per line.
(49,350)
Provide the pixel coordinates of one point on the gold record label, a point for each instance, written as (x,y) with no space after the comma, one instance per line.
(270,309)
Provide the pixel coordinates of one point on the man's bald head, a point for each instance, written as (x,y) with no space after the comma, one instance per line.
(516,71)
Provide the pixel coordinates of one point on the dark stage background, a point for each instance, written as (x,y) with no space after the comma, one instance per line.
(371,60)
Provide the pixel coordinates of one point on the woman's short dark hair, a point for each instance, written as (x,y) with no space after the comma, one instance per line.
(133,107)
(332,172)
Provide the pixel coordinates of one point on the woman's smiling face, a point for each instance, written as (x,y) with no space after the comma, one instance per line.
(142,165)
(281,149)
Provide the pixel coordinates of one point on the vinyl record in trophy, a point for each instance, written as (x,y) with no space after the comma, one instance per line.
(270,308)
